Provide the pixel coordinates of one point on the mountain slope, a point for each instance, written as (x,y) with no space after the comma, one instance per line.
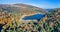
(21,8)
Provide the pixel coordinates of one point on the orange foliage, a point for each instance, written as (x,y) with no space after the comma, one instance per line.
(26,27)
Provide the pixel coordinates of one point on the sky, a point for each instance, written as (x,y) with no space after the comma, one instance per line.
(39,3)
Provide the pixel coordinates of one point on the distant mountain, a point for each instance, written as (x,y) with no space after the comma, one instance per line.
(49,10)
(52,10)
(24,8)
(21,8)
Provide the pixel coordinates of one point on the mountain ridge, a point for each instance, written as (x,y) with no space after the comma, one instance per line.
(22,8)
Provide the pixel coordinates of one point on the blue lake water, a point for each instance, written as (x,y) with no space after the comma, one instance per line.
(34,17)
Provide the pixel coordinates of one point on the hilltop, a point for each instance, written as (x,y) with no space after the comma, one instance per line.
(21,8)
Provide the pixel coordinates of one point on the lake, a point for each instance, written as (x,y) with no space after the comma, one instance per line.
(34,17)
